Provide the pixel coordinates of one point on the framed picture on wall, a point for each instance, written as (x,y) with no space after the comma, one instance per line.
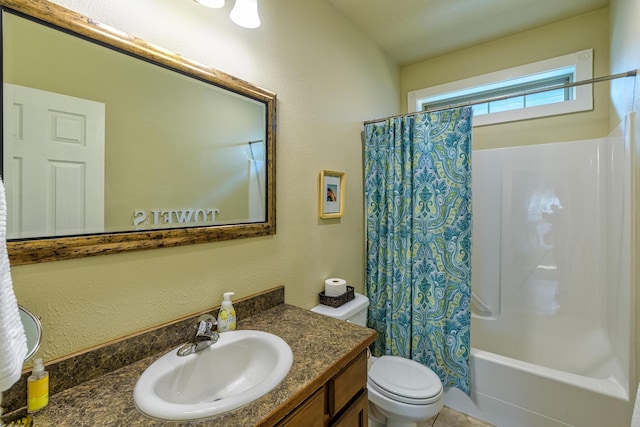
(331,194)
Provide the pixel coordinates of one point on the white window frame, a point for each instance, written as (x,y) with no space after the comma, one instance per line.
(583,95)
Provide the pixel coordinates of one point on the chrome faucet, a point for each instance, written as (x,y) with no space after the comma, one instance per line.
(205,336)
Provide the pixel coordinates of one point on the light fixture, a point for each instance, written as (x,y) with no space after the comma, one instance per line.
(245,13)
(216,4)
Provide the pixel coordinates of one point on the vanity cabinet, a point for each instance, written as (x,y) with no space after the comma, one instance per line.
(323,390)
(340,402)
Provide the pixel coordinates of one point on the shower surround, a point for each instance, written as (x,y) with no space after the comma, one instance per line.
(552,274)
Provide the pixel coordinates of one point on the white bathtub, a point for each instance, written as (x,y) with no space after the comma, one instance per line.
(511,393)
(551,330)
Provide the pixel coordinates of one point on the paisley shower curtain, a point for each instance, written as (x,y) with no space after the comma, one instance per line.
(418,225)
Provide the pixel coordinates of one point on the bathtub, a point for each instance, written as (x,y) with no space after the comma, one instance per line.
(552,315)
(511,393)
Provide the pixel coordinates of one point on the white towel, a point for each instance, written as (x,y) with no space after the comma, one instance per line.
(13,341)
(635,419)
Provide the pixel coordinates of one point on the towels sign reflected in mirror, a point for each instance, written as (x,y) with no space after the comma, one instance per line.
(112,144)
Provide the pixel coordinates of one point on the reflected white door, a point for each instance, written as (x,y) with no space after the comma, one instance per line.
(53,163)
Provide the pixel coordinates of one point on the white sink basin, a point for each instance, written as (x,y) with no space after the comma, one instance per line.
(241,367)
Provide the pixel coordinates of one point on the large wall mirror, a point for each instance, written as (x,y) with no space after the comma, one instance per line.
(111,144)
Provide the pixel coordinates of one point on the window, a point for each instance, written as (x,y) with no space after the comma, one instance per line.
(495,87)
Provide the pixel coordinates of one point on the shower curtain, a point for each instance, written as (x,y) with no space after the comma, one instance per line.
(418,225)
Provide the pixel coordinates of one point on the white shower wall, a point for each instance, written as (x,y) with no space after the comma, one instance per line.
(558,255)
(552,260)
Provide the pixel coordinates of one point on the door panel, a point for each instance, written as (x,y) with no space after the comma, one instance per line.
(59,140)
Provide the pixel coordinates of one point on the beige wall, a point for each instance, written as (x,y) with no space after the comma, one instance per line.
(585,31)
(328,82)
(625,56)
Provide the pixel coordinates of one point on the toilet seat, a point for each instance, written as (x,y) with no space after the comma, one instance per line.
(405,380)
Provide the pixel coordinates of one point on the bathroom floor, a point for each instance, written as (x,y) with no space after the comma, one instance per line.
(450,418)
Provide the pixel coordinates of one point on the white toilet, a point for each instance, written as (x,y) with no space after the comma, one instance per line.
(402,392)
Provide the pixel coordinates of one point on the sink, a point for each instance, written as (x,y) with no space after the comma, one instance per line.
(241,367)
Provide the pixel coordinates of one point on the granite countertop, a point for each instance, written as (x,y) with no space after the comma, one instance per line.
(321,346)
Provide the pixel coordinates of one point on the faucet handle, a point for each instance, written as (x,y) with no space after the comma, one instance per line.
(206,335)
(205,327)
(206,323)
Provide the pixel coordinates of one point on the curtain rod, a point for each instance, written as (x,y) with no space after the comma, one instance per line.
(631,73)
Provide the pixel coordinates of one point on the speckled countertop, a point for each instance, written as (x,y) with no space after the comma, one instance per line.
(321,347)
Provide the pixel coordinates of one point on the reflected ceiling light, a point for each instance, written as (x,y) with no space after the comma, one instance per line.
(216,4)
(245,13)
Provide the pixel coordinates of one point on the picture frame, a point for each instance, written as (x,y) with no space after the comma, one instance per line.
(331,194)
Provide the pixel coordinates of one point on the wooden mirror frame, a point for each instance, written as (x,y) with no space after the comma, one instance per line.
(61,248)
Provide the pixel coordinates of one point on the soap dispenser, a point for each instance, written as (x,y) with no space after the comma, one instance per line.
(227,314)
(37,387)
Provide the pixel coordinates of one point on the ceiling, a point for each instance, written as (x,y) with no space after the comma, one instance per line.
(413,30)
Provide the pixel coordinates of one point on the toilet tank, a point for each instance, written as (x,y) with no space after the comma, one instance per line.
(355,311)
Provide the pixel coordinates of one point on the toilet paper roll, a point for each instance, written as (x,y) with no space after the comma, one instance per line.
(335,287)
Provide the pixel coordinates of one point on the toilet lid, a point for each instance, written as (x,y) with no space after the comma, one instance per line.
(404,380)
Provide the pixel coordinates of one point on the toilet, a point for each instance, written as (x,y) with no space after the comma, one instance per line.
(402,392)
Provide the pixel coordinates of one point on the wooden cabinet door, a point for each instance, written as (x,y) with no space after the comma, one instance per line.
(347,384)
(310,413)
(357,414)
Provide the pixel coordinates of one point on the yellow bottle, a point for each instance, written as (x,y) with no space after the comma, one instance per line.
(37,387)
